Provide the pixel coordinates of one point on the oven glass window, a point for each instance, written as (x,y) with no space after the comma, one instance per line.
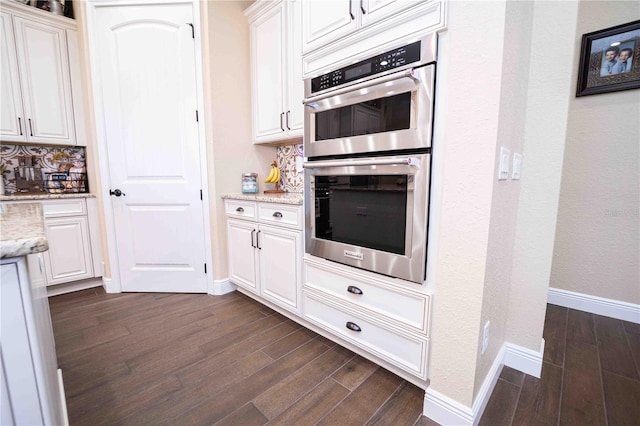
(367,211)
(375,116)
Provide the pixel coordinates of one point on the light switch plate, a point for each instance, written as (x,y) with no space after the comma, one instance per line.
(503,169)
(517,166)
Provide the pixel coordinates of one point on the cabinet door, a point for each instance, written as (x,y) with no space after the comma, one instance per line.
(326,21)
(11,113)
(45,77)
(267,68)
(280,266)
(69,255)
(295,89)
(242,258)
(377,10)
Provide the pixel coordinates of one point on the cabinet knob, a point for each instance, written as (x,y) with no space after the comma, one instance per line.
(277,214)
(353,326)
(240,210)
(354,290)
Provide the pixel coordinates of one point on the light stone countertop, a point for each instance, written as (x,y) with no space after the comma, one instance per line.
(21,229)
(294,198)
(42,196)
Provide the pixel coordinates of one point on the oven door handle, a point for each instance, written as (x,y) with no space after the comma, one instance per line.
(381,80)
(406,161)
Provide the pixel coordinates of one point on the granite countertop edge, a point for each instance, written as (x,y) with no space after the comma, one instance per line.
(22,227)
(26,197)
(294,198)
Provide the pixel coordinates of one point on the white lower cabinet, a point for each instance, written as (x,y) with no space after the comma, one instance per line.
(74,249)
(382,318)
(265,250)
(386,317)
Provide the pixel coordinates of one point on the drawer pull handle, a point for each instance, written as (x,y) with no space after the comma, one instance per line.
(277,214)
(240,210)
(354,290)
(353,326)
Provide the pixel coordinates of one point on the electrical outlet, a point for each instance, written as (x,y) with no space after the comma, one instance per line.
(299,164)
(485,338)
(503,168)
(517,166)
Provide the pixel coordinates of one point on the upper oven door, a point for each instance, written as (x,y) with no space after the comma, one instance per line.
(388,113)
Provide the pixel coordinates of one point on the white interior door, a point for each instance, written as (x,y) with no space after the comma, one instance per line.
(145,55)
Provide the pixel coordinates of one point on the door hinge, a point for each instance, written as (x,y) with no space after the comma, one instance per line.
(205,268)
(201,195)
(197,119)
(193,31)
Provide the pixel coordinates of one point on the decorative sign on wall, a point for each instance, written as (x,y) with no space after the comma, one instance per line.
(610,60)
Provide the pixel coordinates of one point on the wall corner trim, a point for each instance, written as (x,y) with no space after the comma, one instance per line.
(595,305)
(110,285)
(446,411)
(220,287)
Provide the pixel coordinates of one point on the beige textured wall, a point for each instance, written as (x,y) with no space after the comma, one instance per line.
(511,126)
(230,150)
(596,248)
(551,86)
(469,83)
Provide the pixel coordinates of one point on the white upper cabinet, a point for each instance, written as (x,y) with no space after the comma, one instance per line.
(36,76)
(324,21)
(327,21)
(336,33)
(276,70)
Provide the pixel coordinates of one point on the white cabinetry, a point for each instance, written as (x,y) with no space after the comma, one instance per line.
(67,229)
(385,317)
(265,250)
(74,247)
(340,32)
(38,54)
(31,382)
(276,70)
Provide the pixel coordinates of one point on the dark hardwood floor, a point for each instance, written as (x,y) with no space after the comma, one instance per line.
(181,359)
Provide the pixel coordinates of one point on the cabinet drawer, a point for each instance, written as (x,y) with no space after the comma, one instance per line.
(61,208)
(280,214)
(241,209)
(402,307)
(400,349)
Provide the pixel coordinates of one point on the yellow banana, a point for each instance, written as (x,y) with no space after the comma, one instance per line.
(276,178)
(271,175)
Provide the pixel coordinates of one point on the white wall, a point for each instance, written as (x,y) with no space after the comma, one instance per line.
(511,127)
(596,248)
(230,150)
(467,118)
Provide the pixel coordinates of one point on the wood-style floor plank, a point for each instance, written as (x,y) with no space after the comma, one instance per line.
(615,354)
(502,404)
(142,359)
(554,334)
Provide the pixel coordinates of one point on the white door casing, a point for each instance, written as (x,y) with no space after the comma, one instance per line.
(145,65)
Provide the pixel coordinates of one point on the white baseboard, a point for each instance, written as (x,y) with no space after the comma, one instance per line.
(523,359)
(595,305)
(220,287)
(446,411)
(54,290)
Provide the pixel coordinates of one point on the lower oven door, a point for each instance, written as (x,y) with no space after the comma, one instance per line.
(371,213)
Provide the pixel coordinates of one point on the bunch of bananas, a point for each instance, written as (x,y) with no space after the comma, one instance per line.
(274,175)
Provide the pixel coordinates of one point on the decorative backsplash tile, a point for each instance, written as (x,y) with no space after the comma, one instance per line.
(48,158)
(292,180)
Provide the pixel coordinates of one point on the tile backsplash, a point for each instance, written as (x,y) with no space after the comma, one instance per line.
(292,180)
(48,158)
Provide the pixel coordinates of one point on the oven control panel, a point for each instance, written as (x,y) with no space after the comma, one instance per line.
(375,65)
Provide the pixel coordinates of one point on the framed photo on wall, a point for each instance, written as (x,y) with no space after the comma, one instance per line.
(610,60)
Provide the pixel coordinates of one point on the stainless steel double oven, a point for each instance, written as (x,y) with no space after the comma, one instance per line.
(368,131)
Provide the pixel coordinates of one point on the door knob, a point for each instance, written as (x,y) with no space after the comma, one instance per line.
(117,193)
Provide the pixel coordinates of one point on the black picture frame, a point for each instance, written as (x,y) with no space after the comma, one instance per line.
(596,73)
